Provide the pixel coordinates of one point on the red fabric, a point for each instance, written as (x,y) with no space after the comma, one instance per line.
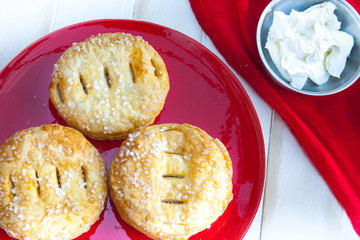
(327,127)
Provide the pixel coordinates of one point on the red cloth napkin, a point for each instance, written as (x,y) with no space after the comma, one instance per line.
(327,127)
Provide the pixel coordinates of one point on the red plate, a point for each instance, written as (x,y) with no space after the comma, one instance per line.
(203,92)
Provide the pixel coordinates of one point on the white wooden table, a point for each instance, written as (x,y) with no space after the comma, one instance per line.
(297,204)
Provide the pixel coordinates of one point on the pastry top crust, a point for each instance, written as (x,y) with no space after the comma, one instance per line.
(171,181)
(52,183)
(109,85)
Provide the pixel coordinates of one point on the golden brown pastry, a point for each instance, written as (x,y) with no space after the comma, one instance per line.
(171,181)
(52,184)
(109,85)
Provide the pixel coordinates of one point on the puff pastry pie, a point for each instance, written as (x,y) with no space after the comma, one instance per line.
(171,181)
(52,183)
(109,85)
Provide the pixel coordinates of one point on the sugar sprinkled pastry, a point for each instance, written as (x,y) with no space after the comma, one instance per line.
(109,85)
(52,183)
(171,181)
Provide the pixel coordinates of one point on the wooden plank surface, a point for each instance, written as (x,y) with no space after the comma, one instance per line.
(298,203)
(21,23)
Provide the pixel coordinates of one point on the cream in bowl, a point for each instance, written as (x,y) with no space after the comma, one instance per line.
(310,46)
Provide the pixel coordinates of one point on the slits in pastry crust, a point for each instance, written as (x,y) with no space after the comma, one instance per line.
(52,183)
(109,85)
(171,181)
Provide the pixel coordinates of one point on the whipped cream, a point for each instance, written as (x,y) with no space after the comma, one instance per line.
(309,44)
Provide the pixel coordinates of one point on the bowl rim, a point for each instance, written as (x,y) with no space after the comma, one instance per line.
(275,76)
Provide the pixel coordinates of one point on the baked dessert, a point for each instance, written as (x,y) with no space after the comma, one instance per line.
(109,85)
(171,181)
(52,183)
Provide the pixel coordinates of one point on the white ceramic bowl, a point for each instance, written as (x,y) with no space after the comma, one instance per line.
(350,23)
